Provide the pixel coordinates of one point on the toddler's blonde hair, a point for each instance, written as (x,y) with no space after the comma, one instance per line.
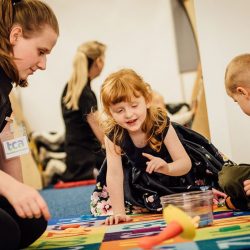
(237,73)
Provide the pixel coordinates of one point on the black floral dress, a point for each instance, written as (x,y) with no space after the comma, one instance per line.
(142,191)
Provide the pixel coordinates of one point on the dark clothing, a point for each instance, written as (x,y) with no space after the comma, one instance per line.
(15,232)
(144,190)
(231,179)
(5,105)
(84,152)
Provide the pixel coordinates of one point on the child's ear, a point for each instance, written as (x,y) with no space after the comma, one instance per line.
(15,33)
(243,91)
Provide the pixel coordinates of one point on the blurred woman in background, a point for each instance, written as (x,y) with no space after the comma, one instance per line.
(83,136)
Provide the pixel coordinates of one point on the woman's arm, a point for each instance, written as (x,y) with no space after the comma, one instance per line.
(93,122)
(115,183)
(26,201)
(11,166)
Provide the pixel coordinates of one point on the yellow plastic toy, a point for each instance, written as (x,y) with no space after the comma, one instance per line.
(178,223)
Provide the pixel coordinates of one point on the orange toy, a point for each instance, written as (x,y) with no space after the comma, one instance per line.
(178,223)
(66,226)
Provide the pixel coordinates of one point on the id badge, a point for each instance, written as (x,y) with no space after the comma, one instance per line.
(14,140)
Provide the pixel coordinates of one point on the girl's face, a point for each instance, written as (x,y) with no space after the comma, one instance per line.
(31,53)
(130,115)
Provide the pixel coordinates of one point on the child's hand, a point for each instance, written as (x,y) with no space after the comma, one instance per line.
(115,219)
(219,197)
(155,164)
(247,186)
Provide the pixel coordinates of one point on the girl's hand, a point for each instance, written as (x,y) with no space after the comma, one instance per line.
(115,219)
(155,164)
(247,186)
(27,201)
(219,197)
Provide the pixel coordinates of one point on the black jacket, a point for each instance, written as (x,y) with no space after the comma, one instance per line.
(5,105)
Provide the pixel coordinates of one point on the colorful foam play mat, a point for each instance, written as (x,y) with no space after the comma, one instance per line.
(229,231)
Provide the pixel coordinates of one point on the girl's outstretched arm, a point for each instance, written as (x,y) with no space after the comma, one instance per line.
(115,183)
(181,162)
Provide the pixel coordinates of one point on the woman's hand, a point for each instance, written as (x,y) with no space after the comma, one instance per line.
(247,186)
(155,164)
(115,219)
(27,201)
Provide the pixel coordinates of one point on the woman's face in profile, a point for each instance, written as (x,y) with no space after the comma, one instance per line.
(97,67)
(31,53)
(100,63)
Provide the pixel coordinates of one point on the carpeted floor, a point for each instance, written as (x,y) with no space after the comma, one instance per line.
(68,202)
(86,232)
(72,227)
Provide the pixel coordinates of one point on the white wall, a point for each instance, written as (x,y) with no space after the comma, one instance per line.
(139,34)
(223,32)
